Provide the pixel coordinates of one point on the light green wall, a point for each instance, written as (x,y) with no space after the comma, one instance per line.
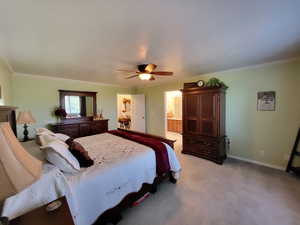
(5,83)
(250,131)
(40,95)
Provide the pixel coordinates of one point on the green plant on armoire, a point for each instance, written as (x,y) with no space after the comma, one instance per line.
(215,82)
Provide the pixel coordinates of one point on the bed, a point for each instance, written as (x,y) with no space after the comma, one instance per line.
(123,171)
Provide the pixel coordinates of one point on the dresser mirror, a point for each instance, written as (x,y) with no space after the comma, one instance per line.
(78,104)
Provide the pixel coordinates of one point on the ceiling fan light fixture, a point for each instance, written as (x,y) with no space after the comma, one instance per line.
(145,76)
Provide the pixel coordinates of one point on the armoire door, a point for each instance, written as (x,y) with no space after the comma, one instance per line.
(191,113)
(208,114)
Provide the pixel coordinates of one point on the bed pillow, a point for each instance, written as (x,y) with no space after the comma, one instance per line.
(45,139)
(40,131)
(79,153)
(62,137)
(59,155)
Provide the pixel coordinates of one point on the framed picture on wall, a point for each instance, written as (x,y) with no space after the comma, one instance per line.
(266,100)
(0,92)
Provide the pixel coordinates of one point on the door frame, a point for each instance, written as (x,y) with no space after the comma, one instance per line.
(166,109)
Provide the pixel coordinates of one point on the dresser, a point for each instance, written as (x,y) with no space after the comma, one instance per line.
(77,129)
(204,123)
(8,114)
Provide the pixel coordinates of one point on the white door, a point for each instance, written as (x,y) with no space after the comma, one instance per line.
(138,113)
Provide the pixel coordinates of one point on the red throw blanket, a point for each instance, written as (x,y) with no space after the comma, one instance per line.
(161,152)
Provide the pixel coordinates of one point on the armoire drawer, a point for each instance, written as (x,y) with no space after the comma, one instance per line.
(206,147)
(201,141)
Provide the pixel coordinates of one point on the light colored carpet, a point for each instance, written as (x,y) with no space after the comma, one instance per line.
(237,193)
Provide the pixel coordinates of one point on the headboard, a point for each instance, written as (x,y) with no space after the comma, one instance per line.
(8,114)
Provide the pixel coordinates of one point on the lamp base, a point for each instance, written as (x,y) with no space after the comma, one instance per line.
(25,133)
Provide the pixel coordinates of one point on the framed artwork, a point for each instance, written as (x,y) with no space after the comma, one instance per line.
(0,92)
(266,100)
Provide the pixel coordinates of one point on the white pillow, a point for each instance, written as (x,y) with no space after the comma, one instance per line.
(59,155)
(40,131)
(46,139)
(62,137)
(45,136)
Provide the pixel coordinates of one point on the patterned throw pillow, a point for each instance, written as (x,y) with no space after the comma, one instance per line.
(79,153)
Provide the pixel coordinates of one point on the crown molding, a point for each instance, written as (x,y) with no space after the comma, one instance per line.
(256,66)
(64,79)
(260,65)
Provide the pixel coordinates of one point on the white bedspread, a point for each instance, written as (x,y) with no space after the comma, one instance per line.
(49,187)
(121,167)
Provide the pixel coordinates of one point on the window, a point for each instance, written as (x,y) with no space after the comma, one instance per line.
(72,105)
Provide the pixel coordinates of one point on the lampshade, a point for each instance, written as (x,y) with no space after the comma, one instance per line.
(18,169)
(25,117)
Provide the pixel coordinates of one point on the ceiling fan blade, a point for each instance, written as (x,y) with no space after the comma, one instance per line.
(150,67)
(129,71)
(162,73)
(132,76)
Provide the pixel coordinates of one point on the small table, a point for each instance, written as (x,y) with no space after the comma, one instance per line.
(39,216)
(124,123)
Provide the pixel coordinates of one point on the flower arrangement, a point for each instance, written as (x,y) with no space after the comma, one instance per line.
(126,100)
(60,112)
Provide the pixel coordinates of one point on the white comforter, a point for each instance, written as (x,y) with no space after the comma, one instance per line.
(121,167)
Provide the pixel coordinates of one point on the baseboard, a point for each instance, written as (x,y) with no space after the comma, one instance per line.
(256,162)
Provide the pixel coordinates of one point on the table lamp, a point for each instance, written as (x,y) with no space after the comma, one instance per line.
(25,117)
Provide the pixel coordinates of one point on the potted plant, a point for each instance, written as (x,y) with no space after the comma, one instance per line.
(215,82)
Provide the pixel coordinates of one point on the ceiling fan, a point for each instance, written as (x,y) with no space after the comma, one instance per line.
(146,72)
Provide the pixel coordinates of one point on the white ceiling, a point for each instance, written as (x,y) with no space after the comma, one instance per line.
(90,39)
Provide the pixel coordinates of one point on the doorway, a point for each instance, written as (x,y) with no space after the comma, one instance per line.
(173,115)
(131,112)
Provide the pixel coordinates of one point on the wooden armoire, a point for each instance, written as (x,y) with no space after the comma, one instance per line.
(204,122)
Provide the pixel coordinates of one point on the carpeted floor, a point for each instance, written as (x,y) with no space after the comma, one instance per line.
(237,193)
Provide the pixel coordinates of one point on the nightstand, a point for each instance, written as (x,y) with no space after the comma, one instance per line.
(39,216)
